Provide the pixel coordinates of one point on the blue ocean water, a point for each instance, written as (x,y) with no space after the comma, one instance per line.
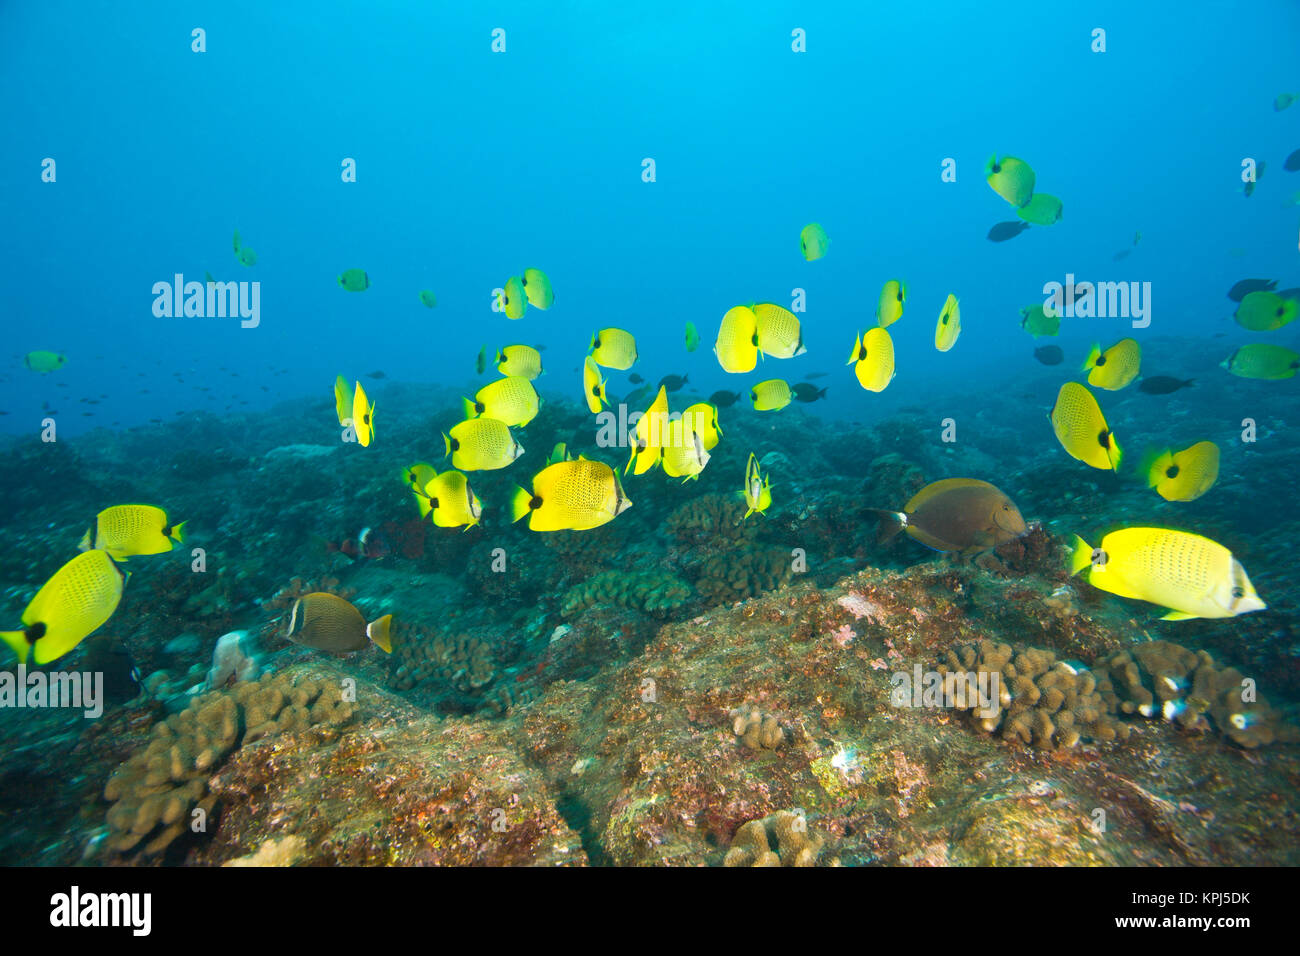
(472,165)
(493,137)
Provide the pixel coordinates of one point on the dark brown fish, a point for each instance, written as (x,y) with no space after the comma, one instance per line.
(1246,286)
(1050,355)
(805,392)
(1163,384)
(1292,163)
(1006,230)
(326,622)
(724,399)
(958,514)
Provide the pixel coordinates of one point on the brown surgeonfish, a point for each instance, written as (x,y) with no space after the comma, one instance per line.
(958,514)
(326,622)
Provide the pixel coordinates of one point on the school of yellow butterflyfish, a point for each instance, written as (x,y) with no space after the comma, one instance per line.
(1188,574)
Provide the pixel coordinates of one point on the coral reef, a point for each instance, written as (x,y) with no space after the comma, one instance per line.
(1041,701)
(421,653)
(653,592)
(714,521)
(158,789)
(779,839)
(727,578)
(283,599)
(1160,678)
(757,730)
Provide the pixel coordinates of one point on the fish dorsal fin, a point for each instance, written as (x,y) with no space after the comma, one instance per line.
(931,491)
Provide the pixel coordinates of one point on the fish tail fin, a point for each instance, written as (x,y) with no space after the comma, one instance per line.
(377,631)
(1189,383)
(470,410)
(520,503)
(1151,464)
(1115,453)
(1091,361)
(178,531)
(17,641)
(446,444)
(891,522)
(822,392)
(1080,555)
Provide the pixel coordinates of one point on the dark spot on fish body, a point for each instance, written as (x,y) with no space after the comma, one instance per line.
(997,168)
(35,632)
(1101,360)
(944,320)
(1238,593)
(1103,438)
(1171,471)
(534,503)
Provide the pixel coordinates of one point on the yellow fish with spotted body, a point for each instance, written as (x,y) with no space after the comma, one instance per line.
(1082,430)
(948,327)
(571,496)
(1183,475)
(363,417)
(1116,367)
(125,531)
(737,343)
(614,348)
(1190,575)
(69,607)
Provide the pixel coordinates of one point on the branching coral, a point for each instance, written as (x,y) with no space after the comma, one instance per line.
(653,592)
(156,792)
(1160,678)
(1040,701)
(779,839)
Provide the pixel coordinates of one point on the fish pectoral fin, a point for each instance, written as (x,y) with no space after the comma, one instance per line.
(1179,616)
